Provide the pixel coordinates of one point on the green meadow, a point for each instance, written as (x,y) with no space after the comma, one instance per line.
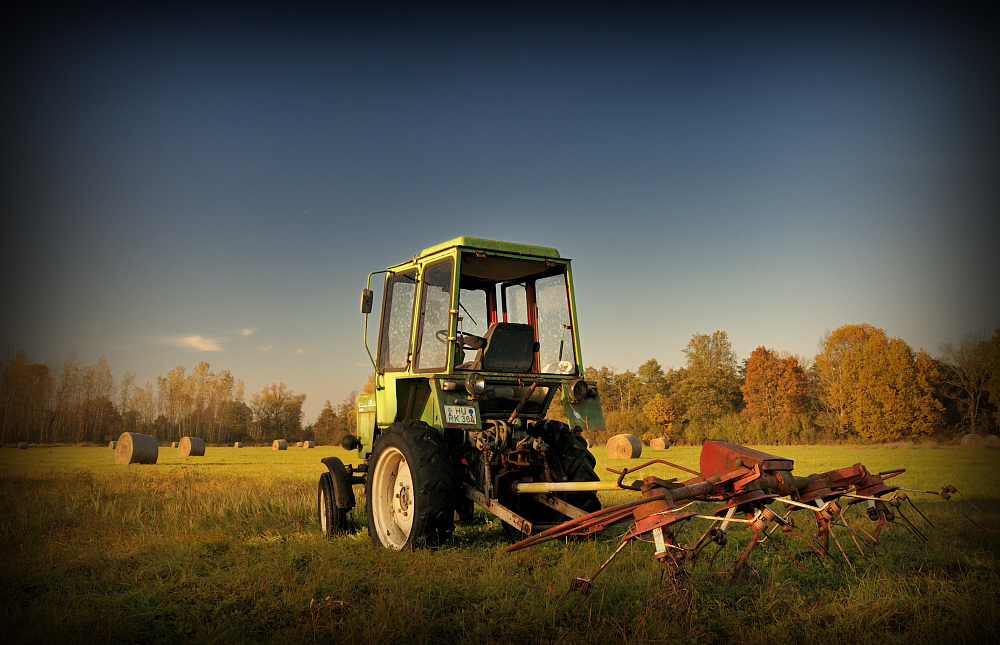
(226,548)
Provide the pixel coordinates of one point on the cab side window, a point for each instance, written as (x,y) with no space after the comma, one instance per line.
(397,317)
(435,306)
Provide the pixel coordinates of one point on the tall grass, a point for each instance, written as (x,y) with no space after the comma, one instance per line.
(225,548)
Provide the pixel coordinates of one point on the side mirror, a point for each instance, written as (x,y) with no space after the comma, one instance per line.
(366,301)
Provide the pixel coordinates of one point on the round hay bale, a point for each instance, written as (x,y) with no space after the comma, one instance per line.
(135,448)
(279,444)
(112,444)
(309,444)
(624,446)
(238,444)
(973,441)
(660,443)
(191,447)
(22,445)
(298,444)
(173,444)
(992,442)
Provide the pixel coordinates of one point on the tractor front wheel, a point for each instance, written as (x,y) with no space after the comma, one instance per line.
(410,493)
(332,519)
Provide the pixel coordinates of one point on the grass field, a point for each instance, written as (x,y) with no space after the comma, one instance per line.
(226,548)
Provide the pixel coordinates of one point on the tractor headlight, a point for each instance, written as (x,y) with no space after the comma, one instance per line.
(578,390)
(475,384)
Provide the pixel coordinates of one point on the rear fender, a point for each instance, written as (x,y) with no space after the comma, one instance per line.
(343,491)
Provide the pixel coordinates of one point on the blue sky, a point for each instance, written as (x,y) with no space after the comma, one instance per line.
(184,186)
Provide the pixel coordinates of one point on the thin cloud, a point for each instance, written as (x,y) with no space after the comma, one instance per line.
(199,343)
(248,331)
(265,348)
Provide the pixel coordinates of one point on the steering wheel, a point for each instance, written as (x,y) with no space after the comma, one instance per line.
(468,340)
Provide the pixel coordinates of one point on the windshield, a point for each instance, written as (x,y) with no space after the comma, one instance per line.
(527,297)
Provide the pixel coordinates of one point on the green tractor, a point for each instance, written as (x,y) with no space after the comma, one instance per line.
(477,339)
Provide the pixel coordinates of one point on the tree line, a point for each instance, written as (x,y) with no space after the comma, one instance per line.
(77,403)
(862,386)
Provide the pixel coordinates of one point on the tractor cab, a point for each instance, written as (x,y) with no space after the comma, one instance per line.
(472,331)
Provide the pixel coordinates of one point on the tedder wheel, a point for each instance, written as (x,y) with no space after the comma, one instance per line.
(332,518)
(411,499)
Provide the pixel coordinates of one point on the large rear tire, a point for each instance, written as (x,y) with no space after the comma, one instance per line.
(575,464)
(410,488)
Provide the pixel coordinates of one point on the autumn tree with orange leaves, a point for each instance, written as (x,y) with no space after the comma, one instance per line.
(877,387)
(775,387)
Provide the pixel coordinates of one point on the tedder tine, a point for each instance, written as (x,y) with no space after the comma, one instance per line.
(967,500)
(785,551)
(583,584)
(947,498)
(946,495)
(964,515)
(915,530)
(921,513)
(843,521)
(788,527)
(842,552)
(741,560)
(896,501)
(860,528)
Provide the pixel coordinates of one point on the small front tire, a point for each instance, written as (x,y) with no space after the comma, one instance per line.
(332,518)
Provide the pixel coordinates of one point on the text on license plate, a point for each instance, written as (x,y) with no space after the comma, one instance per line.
(460,414)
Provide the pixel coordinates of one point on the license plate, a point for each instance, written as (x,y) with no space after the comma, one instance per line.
(460,415)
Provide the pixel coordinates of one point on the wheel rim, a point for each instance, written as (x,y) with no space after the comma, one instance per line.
(323,519)
(392,498)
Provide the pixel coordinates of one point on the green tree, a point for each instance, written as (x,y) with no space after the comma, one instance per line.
(347,420)
(652,381)
(277,412)
(833,397)
(325,426)
(891,390)
(619,391)
(710,387)
(235,420)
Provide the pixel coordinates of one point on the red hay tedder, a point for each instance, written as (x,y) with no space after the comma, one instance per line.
(746,483)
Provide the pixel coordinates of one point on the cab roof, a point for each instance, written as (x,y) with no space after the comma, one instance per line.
(477,243)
